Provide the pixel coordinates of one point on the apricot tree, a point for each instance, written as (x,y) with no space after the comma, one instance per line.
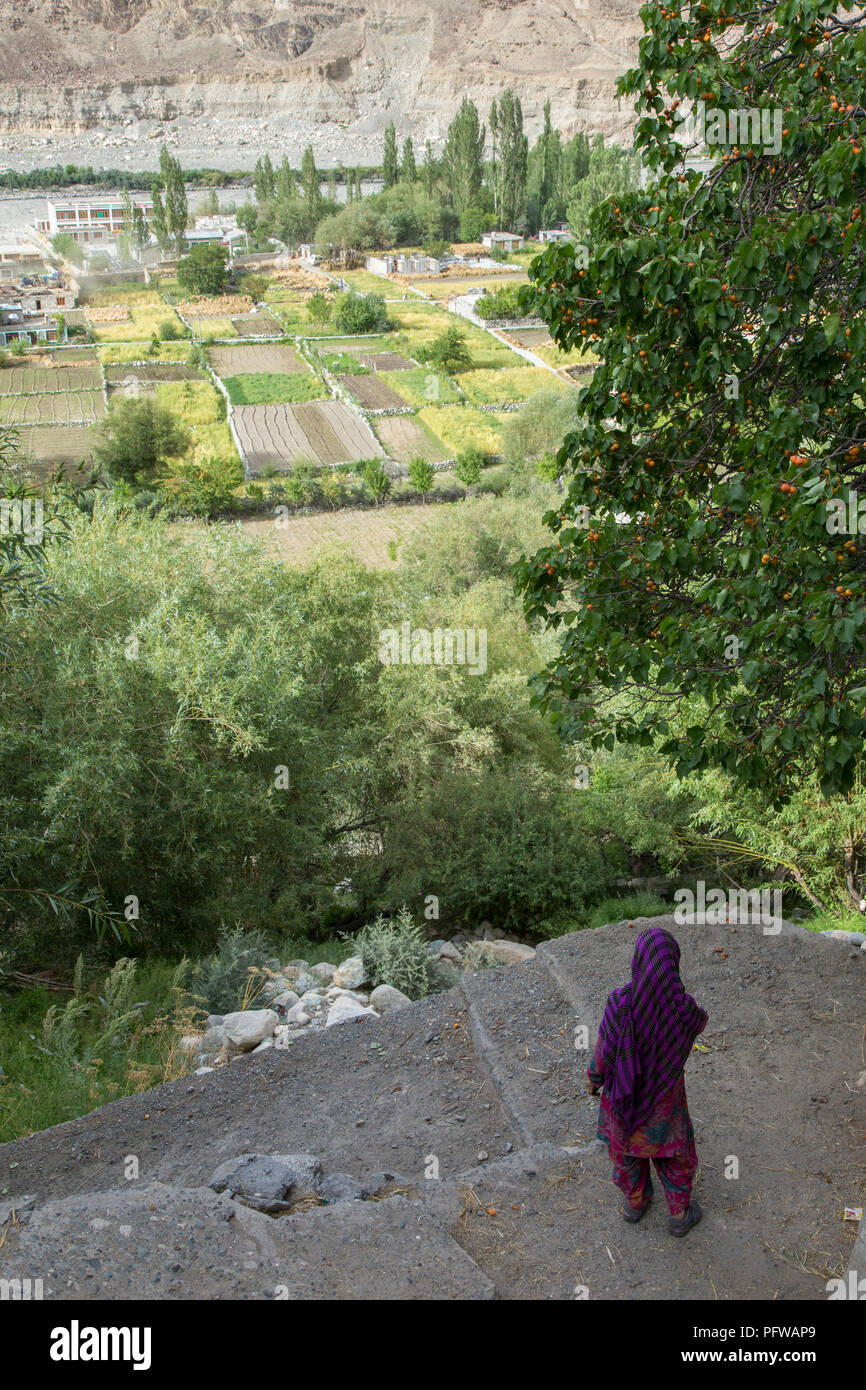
(700,581)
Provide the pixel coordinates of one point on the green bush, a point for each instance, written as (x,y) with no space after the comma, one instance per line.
(169,331)
(421,475)
(468,466)
(232,977)
(361,313)
(508,846)
(376,479)
(394,952)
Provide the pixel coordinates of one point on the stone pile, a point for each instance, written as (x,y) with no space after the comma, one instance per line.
(301,998)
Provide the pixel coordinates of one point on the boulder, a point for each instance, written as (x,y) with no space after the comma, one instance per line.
(351,973)
(214,1020)
(385,998)
(509,952)
(265,1181)
(449,952)
(244,1031)
(339,1187)
(213,1039)
(285,1001)
(297,1017)
(343,1009)
(323,972)
(305,982)
(264,1045)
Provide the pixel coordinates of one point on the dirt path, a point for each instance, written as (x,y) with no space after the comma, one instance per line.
(490,1069)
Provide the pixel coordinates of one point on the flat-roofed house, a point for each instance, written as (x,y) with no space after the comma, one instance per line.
(90,219)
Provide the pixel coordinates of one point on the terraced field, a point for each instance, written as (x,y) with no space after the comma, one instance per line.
(261,325)
(375,536)
(249,358)
(45,448)
(21,381)
(152,371)
(508,385)
(382,361)
(405,438)
(326,432)
(372,393)
(66,408)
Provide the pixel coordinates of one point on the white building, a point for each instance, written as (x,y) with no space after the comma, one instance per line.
(90,219)
(504,241)
(554,234)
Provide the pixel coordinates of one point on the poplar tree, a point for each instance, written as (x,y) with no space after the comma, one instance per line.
(157,217)
(311,185)
(408,168)
(464,155)
(514,155)
(390,163)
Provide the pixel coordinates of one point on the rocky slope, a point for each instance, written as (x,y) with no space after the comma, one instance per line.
(244,74)
(447,1150)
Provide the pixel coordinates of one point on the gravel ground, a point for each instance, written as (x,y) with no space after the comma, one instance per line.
(477,1097)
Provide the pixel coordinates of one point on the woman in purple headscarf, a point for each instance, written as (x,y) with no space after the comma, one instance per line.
(646,1035)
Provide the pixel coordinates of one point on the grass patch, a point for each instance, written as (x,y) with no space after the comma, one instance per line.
(51,1074)
(624,909)
(144,321)
(461,426)
(131,295)
(508,385)
(342,364)
(212,327)
(832,921)
(274,388)
(422,386)
(134,352)
(211,441)
(366,283)
(575,357)
(193,402)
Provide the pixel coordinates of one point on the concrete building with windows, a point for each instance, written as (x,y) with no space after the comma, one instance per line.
(19,325)
(90,219)
(502,241)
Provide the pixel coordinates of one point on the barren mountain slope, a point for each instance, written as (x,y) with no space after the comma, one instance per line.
(70,65)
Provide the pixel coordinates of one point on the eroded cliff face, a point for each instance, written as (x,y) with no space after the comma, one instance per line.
(334,73)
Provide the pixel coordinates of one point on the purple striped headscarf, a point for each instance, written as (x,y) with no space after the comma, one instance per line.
(648,1029)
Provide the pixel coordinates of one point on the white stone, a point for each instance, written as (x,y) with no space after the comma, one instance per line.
(344,1009)
(351,973)
(264,1045)
(298,1016)
(246,1030)
(385,998)
(509,952)
(323,972)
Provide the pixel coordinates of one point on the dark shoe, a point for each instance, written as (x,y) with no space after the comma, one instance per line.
(680,1226)
(631,1216)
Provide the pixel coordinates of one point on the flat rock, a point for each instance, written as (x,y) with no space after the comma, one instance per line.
(509,952)
(267,1180)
